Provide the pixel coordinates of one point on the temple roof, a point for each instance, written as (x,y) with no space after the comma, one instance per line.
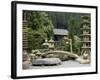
(60,31)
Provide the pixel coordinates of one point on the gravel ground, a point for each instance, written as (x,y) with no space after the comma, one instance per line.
(66,64)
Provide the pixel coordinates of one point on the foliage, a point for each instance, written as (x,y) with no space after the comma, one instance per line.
(39,28)
(35,38)
(40,20)
(77,45)
(65,45)
(74,29)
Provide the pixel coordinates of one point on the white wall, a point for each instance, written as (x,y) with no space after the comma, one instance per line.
(5,40)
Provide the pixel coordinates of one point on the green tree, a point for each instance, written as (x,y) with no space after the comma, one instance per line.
(65,45)
(77,45)
(39,28)
(73,21)
(40,20)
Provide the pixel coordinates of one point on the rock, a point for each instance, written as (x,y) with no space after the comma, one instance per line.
(51,56)
(83,61)
(46,61)
(85,56)
(26,64)
(65,57)
(61,57)
(25,57)
(32,56)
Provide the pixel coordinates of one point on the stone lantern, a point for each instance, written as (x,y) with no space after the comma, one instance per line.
(51,44)
(46,44)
